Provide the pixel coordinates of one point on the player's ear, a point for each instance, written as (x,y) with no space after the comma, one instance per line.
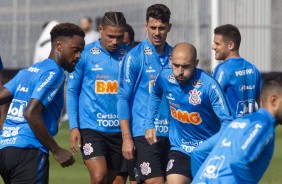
(196,62)
(231,45)
(59,45)
(100,28)
(274,101)
(146,26)
(169,27)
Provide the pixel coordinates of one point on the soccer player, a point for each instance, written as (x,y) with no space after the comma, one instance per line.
(37,98)
(129,36)
(245,148)
(239,79)
(92,101)
(127,167)
(139,70)
(198,109)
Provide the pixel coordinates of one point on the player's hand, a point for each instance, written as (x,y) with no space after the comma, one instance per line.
(151,136)
(128,148)
(75,138)
(63,157)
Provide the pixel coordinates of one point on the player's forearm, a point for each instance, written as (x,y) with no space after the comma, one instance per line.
(3,108)
(43,135)
(3,114)
(125,129)
(33,115)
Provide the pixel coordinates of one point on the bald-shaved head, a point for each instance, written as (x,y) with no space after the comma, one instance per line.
(185,48)
(183,62)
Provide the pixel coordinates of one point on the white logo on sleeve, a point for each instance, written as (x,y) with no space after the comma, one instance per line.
(252,135)
(22,88)
(213,166)
(51,74)
(127,69)
(33,69)
(225,143)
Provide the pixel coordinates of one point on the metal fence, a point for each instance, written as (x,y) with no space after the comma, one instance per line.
(259,21)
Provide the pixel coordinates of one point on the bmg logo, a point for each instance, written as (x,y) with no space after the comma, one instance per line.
(16,110)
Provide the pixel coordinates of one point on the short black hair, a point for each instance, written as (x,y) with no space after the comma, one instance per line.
(272,80)
(66,30)
(131,32)
(230,33)
(159,12)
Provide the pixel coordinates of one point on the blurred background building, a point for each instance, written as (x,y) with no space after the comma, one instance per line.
(260,23)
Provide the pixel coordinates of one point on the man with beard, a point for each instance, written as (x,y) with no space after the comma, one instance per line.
(140,68)
(245,148)
(198,109)
(37,98)
(92,101)
(239,79)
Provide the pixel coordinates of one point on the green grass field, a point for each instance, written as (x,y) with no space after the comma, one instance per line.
(78,174)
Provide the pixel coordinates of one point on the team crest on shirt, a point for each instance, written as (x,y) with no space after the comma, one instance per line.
(194,97)
(148,50)
(171,78)
(169,165)
(87,149)
(145,168)
(196,83)
(95,50)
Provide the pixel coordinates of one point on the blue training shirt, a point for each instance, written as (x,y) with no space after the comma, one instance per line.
(197,110)
(242,153)
(140,68)
(43,81)
(241,82)
(92,89)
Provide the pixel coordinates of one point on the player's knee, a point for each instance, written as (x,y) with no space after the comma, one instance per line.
(155,180)
(98,177)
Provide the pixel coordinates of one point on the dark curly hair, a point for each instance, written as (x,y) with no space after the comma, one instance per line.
(66,30)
